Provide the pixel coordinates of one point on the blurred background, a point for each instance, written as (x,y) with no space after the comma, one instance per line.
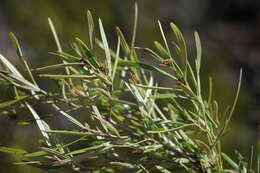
(229,30)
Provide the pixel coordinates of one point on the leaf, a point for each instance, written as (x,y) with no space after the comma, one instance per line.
(154,87)
(10,66)
(43,153)
(230,161)
(106,48)
(20,82)
(59,49)
(11,102)
(139,65)
(15,151)
(90,57)
(161,49)
(136,93)
(235,102)
(135,25)
(84,150)
(198,62)
(123,42)
(116,59)
(122,164)
(54,33)
(162,121)
(162,169)
(70,118)
(20,55)
(163,36)
(66,132)
(54,152)
(169,130)
(90,27)
(67,56)
(56,66)
(199,51)
(250,160)
(16,44)
(99,117)
(43,126)
(27,163)
(53,76)
(167,96)
(16,75)
(157,57)
(182,45)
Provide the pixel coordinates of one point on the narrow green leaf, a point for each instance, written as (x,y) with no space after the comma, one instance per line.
(123,42)
(16,44)
(72,133)
(67,56)
(167,96)
(43,126)
(43,153)
(161,49)
(54,152)
(90,28)
(116,59)
(250,160)
(54,33)
(15,151)
(182,45)
(157,57)
(135,25)
(163,36)
(106,48)
(210,90)
(10,66)
(70,118)
(162,169)
(235,101)
(20,82)
(59,49)
(90,57)
(53,76)
(84,150)
(11,102)
(136,93)
(198,62)
(153,87)
(27,163)
(199,51)
(139,65)
(99,117)
(230,161)
(122,164)
(56,66)
(168,130)
(20,55)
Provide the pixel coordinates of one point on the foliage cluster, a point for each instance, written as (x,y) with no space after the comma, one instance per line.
(131,123)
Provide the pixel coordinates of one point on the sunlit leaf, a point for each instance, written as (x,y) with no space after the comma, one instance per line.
(43,126)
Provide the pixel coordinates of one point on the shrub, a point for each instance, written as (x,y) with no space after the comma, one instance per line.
(131,124)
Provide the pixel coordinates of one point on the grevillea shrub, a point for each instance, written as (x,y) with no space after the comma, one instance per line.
(130,123)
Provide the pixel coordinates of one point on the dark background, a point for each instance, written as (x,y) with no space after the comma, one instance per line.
(229,30)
